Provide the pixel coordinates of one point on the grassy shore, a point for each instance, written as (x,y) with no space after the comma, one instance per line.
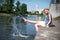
(5,14)
(4,18)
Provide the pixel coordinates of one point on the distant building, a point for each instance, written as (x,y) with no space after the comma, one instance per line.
(55,8)
(38,8)
(32,12)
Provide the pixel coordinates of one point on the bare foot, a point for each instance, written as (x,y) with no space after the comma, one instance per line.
(25,20)
(47,26)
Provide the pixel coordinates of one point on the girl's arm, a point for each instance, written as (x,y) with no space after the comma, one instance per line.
(30,21)
(49,19)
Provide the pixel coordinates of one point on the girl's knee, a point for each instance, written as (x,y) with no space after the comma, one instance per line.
(36,24)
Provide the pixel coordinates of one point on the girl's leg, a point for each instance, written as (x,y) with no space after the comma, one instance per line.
(34,22)
(37,27)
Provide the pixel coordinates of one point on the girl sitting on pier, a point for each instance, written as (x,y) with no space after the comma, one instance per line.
(47,21)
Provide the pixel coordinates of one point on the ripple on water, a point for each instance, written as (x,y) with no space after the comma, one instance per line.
(20,35)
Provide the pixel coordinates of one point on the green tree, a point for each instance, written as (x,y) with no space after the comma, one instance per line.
(4,8)
(1,2)
(10,4)
(17,7)
(23,9)
(7,5)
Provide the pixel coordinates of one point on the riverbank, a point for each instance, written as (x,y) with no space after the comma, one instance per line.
(5,14)
(4,18)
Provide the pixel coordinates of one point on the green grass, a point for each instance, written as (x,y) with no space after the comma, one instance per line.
(4,14)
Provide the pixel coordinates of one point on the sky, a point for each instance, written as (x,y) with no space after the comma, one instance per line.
(32,4)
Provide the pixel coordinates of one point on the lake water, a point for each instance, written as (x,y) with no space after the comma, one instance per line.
(16,27)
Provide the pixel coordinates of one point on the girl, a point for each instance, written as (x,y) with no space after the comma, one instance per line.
(47,21)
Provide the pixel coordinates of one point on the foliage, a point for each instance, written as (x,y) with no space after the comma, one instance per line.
(7,6)
(23,9)
(20,9)
(17,8)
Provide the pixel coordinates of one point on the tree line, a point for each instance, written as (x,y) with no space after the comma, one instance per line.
(7,6)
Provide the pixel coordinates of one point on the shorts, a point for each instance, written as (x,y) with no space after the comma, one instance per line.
(42,23)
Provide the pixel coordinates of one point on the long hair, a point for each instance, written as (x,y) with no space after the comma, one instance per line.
(45,9)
